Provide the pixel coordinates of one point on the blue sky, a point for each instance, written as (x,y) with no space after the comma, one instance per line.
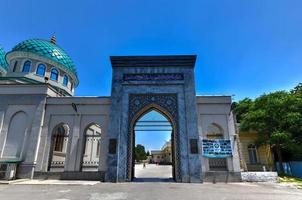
(244,48)
(155,136)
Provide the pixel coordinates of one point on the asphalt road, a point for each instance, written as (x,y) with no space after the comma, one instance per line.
(152,183)
(150,191)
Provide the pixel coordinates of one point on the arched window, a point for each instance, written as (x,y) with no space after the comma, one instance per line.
(65,80)
(58,148)
(15,66)
(59,136)
(214,131)
(26,66)
(252,150)
(41,70)
(92,137)
(54,74)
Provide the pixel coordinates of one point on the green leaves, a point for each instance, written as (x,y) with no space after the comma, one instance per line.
(280,138)
(140,153)
(277,117)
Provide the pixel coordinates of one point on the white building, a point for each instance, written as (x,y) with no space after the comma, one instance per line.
(49,132)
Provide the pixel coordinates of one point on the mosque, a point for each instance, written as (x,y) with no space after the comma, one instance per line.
(46,131)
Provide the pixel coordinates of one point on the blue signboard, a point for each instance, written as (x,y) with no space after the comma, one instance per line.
(218,148)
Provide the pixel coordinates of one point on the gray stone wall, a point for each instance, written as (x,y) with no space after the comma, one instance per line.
(189,164)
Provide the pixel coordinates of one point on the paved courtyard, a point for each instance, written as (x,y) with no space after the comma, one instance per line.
(153,173)
(148,191)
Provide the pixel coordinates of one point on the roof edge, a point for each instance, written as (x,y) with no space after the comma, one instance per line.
(154,61)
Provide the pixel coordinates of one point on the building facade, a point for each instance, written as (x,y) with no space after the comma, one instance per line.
(50,132)
(163,156)
(255,157)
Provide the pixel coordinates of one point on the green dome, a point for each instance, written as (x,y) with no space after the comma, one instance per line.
(3,63)
(49,50)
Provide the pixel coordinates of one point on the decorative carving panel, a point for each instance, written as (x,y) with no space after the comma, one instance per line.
(154,77)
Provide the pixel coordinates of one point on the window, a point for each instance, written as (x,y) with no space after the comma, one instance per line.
(15,66)
(92,139)
(54,75)
(59,139)
(65,80)
(252,150)
(59,145)
(214,131)
(41,70)
(26,66)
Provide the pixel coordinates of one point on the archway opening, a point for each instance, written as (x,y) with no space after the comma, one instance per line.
(58,151)
(91,148)
(215,132)
(153,147)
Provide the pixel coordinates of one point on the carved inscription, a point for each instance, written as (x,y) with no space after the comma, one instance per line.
(154,77)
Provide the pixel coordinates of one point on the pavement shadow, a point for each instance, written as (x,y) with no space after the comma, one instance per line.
(153,180)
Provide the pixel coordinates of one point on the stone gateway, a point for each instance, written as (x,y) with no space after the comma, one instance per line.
(92,138)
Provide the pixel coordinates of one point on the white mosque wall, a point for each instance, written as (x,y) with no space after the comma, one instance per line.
(216,110)
(27,123)
(20,125)
(79,114)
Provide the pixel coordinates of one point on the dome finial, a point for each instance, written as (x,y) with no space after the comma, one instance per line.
(53,38)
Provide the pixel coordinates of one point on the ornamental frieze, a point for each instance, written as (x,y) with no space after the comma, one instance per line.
(154,77)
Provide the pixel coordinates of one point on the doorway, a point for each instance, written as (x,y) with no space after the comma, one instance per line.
(153,158)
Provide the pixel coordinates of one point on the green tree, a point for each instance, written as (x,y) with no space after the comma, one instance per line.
(140,153)
(241,108)
(277,117)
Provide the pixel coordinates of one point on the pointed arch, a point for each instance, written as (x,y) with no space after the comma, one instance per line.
(15,135)
(41,68)
(65,80)
(91,147)
(26,66)
(54,74)
(150,107)
(58,147)
(215,131)
(142,112)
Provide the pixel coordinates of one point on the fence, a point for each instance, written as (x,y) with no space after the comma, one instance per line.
(292,168)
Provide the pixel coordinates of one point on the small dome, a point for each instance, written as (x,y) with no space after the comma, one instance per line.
(49,50)
(3,63)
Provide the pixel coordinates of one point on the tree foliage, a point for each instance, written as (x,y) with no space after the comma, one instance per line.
(242,108)
(140,153)
(277,117)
